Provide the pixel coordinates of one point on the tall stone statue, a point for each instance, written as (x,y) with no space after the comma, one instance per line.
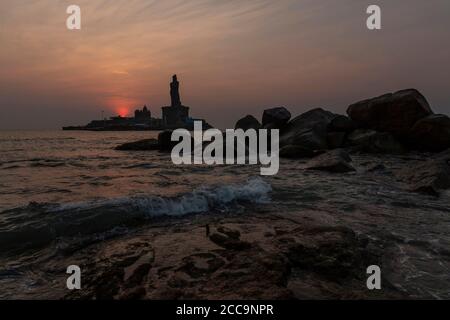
(175,92)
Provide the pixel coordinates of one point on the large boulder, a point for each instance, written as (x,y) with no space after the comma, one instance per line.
(165,140)
(336,161)
(141,145)
(431,133)
(276,118)
(371,141)
(342,124)
(336,139)
(394,112)
(296,152)
(430,176)
(248,122)
(308,130)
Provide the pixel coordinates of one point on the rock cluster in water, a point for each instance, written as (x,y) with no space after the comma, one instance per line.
(394,123)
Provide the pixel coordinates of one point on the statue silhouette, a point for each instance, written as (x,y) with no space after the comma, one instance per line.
(174,92)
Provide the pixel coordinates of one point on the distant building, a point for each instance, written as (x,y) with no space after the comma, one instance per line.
(143,115)
(174,116)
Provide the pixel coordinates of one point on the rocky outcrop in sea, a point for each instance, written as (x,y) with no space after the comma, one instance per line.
(397,123)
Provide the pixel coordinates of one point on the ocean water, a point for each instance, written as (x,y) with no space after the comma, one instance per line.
(60,189)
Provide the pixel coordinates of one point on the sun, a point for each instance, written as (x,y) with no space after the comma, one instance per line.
(123,111)
(121,106)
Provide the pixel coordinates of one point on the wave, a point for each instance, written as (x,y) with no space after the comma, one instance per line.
(37,225)
(202,199)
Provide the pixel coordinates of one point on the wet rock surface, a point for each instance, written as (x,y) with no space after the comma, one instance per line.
(430,176)
(336,161)
(278,261)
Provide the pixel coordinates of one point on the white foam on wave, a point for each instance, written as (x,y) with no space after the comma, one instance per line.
(202,199)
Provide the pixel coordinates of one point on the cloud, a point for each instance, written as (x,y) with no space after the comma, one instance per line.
(233,57)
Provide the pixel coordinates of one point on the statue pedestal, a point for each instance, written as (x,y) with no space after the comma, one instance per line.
(176,116)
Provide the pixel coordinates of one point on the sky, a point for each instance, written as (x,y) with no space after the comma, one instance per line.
(232,57)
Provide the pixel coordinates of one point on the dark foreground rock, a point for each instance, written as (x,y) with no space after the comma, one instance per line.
(337,161)
(429,177)
(431,133)
(165,141)
(229,239)
(371,141)
(308,130)
(141,145)
(342,124)
(336,140)
(336,252)
(296,152)
(285,257)
(276,118)
(394,112)
(248,122)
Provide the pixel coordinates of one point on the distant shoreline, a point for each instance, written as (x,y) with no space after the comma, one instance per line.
(110,129)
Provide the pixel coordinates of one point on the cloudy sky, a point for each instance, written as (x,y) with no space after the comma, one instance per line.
(233,57)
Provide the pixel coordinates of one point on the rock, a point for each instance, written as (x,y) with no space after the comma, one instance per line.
(336,161)
(332,252)
(394,113)
(377,168)
(342,154)
(335,139)
(229,239)
(342,124)
(165,140)
(431,133)
(375,142)
(429,177)
(227,242)
(248,122)
(361,137)
(313,139)
(308,130)
(295,152)
(276,117)
(201,264)
(141,145)
(233,234)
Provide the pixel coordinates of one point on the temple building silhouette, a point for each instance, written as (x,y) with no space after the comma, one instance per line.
(143,114)
(174,116)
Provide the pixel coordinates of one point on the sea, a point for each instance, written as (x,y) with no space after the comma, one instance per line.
(61,189)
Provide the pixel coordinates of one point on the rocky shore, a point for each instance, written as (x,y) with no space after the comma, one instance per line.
(256,256)
(367,188)
(392,124)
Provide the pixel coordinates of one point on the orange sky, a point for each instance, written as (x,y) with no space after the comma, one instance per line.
(232,57)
